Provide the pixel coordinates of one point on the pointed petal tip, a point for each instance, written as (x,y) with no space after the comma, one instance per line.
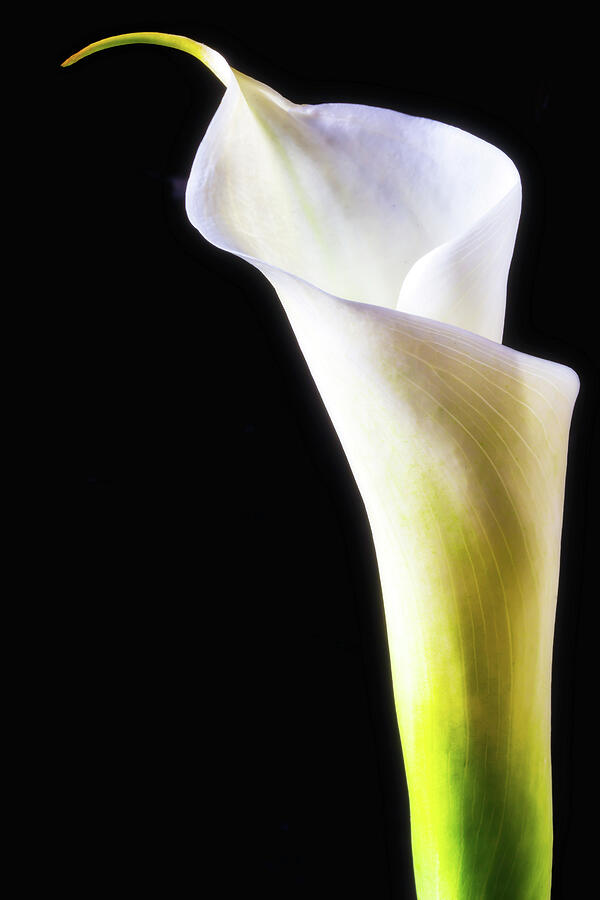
(69,62)
(213,60)
(116,41)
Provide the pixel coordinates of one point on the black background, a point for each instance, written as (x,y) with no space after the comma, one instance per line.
(220,702)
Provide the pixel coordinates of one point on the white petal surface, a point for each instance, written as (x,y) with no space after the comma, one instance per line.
(365,203)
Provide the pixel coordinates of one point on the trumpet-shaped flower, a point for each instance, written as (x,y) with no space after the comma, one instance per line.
(388,239)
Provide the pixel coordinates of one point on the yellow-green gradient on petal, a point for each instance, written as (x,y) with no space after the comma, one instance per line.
(459,447)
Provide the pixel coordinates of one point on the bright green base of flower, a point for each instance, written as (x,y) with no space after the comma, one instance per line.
(477,837)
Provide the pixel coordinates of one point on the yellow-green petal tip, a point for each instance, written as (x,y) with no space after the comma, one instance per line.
(213,60)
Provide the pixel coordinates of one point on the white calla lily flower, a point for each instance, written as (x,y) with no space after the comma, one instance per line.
(388,239)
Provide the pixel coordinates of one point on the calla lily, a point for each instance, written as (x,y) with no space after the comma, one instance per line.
(388,239)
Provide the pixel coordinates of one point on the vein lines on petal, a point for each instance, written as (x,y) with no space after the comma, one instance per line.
(479,362)
(525,364)
(507,623)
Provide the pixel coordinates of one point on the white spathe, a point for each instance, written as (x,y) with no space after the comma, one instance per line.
(388,239)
